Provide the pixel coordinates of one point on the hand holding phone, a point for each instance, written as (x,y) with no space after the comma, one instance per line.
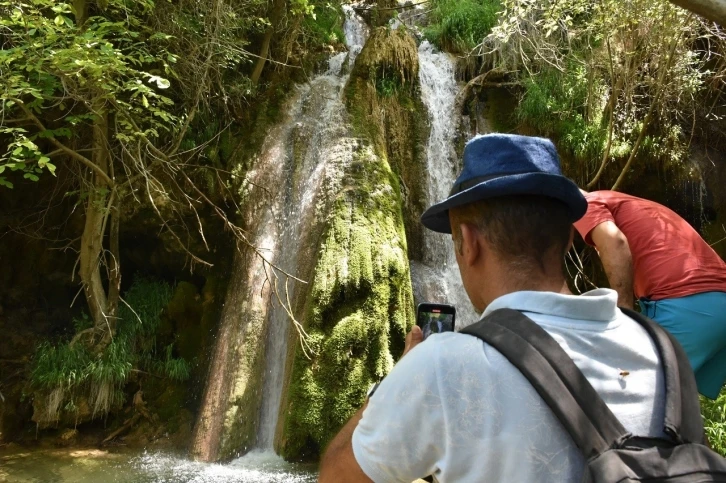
(435,318)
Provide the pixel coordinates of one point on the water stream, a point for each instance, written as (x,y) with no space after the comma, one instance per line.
(298,167)
(317,131)
(437,278)
(95,466)
(316,127)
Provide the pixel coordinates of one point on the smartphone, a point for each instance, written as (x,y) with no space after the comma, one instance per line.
(435,318)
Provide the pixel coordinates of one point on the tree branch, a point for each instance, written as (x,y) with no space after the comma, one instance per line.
(611,126)
(73,154)
(656,98)
(714,10)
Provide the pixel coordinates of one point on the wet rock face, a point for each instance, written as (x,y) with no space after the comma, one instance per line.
(26,317)
(360,303)
(384,103)
(35,292)
(13,414)
(360,307)
(48,412)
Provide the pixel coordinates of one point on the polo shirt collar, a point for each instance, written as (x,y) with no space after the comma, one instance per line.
(596,305)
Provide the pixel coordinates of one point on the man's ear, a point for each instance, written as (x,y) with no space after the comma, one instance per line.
(470,244)
(572,239)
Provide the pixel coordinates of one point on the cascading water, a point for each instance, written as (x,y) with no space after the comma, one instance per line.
(356,32)
(299,164)
(302,178)
(321,131)
(437,278)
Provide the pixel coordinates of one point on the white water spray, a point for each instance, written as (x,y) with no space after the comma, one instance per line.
(313,158)
(437,279)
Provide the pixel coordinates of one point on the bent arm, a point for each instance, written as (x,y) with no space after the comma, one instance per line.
(612,245)
(338,463)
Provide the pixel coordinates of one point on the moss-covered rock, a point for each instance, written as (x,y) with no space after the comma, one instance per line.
(360,302)
(361,306)
(383,99)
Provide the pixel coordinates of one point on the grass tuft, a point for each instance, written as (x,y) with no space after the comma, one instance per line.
(714,420)
(67,374)
(460,25)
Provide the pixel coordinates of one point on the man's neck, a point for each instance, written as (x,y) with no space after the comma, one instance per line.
(510,281)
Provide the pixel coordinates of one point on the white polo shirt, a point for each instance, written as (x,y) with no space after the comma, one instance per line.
(456,408)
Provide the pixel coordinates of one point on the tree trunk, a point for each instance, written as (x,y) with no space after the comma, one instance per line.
(113,262)
(610,111)
(653,103)
(714,10)
(92,251)
(264,51)
(278,9)
(80,10)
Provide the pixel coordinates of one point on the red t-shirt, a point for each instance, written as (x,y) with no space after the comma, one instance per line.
(670,259)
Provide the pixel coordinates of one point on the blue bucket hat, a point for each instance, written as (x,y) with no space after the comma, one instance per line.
(506,164)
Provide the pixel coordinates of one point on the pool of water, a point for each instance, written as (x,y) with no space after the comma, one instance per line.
(92,465)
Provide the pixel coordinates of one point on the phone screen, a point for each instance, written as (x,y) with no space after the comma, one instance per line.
(435,318)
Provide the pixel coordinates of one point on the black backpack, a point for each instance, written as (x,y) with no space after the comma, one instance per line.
(612,454)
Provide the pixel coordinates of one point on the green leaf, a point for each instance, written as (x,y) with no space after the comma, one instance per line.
(58,20)
(144,101)
(30,176)
(160,82)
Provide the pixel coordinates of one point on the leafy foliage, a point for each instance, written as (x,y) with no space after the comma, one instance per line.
(460,25)
(325,26)
(67,372)
(714,419)
(609,80)
(557,104)
(111,62)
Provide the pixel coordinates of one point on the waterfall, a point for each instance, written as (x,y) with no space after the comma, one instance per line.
(314,124)
(283,197)
(356,32)
(322,131)
(437,278)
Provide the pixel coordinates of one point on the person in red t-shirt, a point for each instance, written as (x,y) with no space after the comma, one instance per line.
(649,251)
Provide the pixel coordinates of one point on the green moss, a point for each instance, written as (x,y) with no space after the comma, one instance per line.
(360,301)
(361,306)
(382,97)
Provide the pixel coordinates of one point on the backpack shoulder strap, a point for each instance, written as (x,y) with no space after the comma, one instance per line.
(555,377)
(682,408)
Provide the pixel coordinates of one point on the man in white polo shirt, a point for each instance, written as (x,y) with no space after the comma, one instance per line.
(454,407)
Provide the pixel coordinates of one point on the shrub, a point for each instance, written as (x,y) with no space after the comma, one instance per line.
(460,25)
(557,104)
(325,26)
(64,373)
(714,419)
